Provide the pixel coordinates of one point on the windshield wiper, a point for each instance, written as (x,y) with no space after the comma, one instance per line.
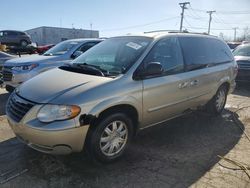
(90,67)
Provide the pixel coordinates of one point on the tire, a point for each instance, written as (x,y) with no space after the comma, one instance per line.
(109,139)
(23,43)
(9,88)
(216,105)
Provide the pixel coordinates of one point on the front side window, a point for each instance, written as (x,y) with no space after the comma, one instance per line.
(243,50)
(12,33)
(166,52)
(1,34)
(114,56)
(61,48)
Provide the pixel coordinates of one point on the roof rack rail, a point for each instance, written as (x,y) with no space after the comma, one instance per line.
(155,31)
(175,31)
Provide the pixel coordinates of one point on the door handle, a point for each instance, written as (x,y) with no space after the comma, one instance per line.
(183,85)
(194,83)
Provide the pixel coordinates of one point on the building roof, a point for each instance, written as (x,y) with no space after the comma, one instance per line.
(50,27)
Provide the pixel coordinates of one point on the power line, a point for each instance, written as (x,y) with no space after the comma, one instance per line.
(213,28)
(223,12)
(141,25)
(220,20)
(183,7)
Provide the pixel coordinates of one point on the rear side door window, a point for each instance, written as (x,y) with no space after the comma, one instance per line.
(87,46)
(167,52)
(201,52)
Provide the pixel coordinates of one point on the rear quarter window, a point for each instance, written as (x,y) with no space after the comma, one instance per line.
(204,51)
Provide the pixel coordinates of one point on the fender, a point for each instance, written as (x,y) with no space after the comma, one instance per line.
(123,100)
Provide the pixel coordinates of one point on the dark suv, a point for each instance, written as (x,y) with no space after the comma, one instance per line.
(14,38)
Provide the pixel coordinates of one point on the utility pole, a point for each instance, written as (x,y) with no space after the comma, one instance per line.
(235,31)
(91,30)
(183,7)
(210,19)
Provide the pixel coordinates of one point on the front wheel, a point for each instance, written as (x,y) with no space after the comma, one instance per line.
(217,103)
(23,43)
(110,138)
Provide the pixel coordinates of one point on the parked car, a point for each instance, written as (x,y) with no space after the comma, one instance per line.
(118,87)
(19,70)
(245,42)
(242,57)
(233,45)
(10,37)
(4,57)
(20,50)
(43,49)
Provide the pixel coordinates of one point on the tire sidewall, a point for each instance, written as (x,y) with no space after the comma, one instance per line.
(21,43)
(94,144)
(214,107)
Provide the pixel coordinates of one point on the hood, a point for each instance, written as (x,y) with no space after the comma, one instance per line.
(242,58)
(31,59)
(56,82)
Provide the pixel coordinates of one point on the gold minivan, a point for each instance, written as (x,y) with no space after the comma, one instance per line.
(118,87)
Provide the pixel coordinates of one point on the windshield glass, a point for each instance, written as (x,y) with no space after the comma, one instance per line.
(242,51)
(114,56)
(61,48)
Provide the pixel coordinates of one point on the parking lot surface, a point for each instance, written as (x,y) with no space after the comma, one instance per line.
(180,153)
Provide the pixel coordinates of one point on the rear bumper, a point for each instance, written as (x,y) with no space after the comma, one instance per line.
(56,142)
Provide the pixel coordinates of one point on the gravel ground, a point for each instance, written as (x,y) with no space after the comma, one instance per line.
(181,153)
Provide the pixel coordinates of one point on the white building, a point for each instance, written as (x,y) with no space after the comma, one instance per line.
(53,35)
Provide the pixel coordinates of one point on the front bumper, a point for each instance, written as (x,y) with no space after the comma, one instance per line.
(51,141)
(14,78)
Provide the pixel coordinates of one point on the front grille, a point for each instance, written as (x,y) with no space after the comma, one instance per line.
(17,107)
(243,64)
(7,73)
(7,76)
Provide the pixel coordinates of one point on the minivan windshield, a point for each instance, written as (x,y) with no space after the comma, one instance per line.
(243,50)
(61,48)
(114,56)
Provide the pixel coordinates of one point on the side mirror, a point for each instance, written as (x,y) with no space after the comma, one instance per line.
(76,54)
(152,69)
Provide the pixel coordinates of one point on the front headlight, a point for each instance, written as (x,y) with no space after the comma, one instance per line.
(50,112)
(25,67)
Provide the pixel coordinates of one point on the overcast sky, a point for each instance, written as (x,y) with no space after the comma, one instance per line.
(117,17)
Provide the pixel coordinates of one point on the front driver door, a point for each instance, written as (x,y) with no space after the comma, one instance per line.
(165,95)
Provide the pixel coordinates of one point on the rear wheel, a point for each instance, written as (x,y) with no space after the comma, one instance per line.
(217,103)
(110,138)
